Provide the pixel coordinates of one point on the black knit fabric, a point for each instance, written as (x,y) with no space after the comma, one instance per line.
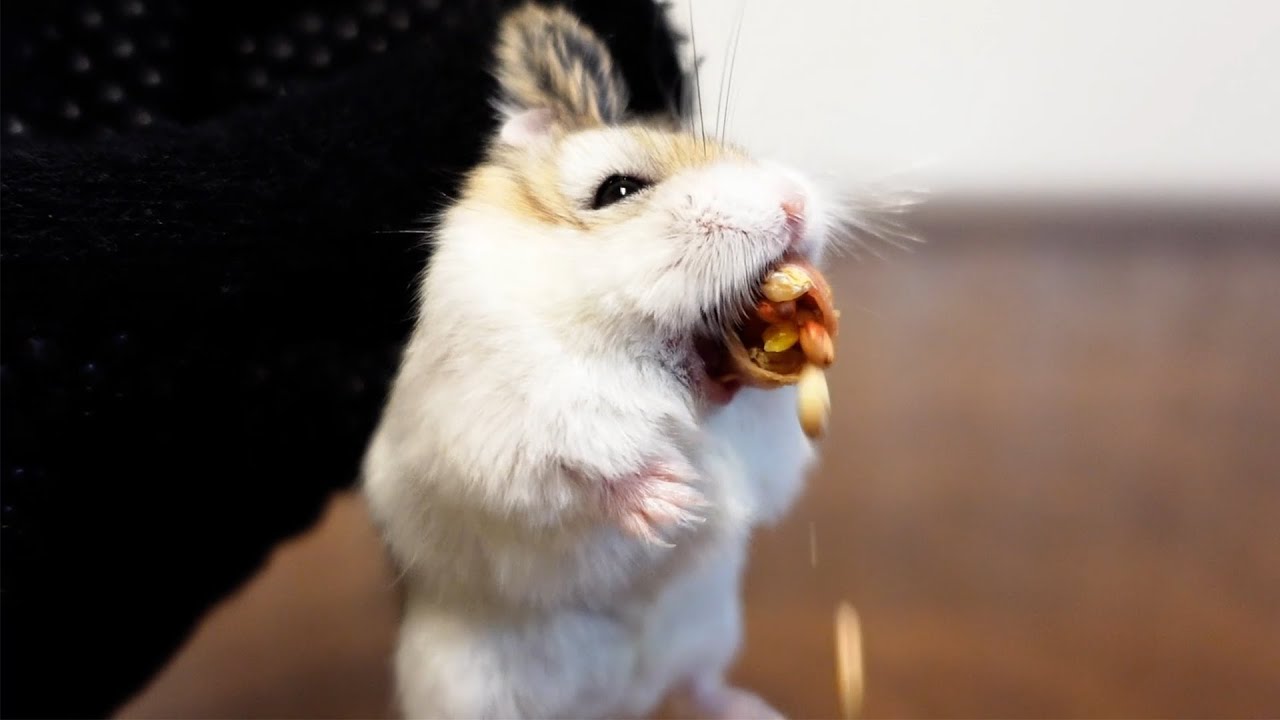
(208,266)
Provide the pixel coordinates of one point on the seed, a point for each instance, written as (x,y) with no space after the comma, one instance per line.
(849,660)
(781,336)
(774,313)
(817,344)
(787,283)
(813,401)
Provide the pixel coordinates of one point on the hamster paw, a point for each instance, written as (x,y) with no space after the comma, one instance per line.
(659,496)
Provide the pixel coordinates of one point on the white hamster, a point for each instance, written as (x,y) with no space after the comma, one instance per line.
(568,495)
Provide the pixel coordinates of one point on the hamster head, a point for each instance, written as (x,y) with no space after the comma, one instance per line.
(632,225)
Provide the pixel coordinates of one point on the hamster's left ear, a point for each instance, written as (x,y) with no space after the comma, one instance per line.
(553,71)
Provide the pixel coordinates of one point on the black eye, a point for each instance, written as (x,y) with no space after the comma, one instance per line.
(615,188)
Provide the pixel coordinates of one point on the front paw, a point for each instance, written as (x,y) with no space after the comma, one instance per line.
(658,497)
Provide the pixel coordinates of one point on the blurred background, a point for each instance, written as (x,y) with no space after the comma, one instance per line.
(1052,484)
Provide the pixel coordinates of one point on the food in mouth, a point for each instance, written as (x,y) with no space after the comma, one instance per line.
(787,339)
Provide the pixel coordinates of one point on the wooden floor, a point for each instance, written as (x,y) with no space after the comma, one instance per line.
(1052,489)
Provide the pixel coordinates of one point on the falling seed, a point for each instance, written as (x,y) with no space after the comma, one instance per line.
(813,545)
(849,660)
(813,401)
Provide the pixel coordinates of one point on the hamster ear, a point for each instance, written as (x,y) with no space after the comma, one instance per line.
(526,127)
(548,60)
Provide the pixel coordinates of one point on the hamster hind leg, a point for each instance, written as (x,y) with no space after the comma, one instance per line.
(697,636)
(471,664)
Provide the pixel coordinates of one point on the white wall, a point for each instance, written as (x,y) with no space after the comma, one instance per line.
(976,97)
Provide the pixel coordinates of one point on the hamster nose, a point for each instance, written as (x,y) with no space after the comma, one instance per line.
(793,206)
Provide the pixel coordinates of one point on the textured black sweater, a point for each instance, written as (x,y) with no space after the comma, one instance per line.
(206,282)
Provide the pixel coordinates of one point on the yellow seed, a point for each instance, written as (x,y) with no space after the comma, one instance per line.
(780,337)
(813,401)
(787,283)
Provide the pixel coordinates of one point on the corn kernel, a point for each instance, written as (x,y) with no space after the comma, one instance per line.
(780,337)
(787,283)
(817,344)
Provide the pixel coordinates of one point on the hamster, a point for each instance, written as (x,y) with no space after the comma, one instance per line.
(566,493)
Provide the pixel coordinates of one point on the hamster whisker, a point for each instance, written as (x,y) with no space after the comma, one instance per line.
(720,92)
(697,83)
(732,61)
(867,220)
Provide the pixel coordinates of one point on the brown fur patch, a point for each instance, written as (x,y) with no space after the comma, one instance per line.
(548,59)
(527,181)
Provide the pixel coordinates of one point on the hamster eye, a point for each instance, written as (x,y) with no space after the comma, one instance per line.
(615,188)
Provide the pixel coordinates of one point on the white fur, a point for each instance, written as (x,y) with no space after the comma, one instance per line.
(542,380)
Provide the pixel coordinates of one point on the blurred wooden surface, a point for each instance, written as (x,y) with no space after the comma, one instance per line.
(1052,489)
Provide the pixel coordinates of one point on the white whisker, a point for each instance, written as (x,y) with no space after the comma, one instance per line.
(870,218)
(733,61)
(697,83)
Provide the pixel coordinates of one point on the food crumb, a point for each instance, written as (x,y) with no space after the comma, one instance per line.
(849,660)
(813,545)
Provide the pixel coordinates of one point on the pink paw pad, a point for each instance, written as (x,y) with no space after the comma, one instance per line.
(657,497)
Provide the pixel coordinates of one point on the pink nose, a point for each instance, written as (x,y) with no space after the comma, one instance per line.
(793,206)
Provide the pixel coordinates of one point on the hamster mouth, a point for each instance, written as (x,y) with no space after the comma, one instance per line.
(791,324)
(718,380)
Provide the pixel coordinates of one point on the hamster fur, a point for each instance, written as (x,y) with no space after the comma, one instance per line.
(568,497)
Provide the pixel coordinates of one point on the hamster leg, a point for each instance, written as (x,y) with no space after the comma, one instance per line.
(477,663)
(698,632)
(656,497)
